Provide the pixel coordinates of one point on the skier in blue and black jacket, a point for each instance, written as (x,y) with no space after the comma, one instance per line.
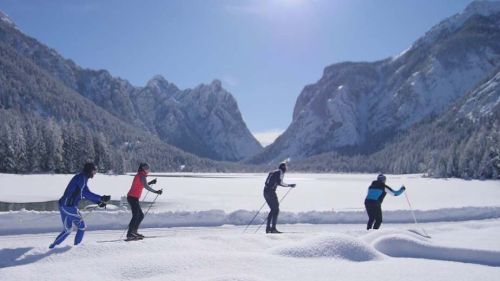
(68,204)
(373,202)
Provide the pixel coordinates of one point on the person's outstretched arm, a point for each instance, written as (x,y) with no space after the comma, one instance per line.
(281,183)
(395,192)
(146,186)
(89,195)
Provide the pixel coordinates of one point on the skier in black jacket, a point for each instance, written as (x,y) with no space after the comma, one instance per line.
(274,179)
(373,202)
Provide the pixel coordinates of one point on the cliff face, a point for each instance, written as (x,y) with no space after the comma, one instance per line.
(359,107)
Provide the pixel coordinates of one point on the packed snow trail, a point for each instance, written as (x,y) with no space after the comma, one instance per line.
(318,252)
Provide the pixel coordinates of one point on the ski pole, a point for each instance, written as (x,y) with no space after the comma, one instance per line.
(91,210)
(280,203)
(254,217)
(413,214)
(152,204)
(146,195)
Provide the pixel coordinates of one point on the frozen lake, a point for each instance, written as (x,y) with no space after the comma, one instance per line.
(231,192)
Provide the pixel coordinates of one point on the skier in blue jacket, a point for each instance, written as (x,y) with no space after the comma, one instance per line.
(68,204)
(373,202)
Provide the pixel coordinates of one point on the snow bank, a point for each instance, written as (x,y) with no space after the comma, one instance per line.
(236,277)
(18,222)
(377,244)
(337,246)
(398,245)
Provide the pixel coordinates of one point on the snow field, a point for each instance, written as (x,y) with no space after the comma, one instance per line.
(198,227)
(219,199)
(232,192)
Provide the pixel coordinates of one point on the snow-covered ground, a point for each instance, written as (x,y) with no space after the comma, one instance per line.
(457,251)
(325,240)
(219,199)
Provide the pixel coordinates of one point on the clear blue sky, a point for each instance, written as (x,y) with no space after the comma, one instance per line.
(264,51)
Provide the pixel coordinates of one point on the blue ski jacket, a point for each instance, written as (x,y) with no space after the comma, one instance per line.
(76,190)
(378,190)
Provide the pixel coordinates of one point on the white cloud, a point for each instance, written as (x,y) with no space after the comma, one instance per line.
(267,137)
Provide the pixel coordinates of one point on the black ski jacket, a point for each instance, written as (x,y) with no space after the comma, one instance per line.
(274,179)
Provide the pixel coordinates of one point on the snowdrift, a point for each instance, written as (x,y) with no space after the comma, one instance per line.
(401,244)
(337,246)
(382,243)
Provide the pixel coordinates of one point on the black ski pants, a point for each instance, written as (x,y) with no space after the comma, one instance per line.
(374,210)
(274,205)
(137,214)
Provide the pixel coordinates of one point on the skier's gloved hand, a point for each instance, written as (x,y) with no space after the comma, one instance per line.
(403,188)
(105,198)
(152,182)
(159,192)
(102,204)
(292,185)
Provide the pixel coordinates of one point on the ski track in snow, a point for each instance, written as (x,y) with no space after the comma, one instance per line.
(225,253)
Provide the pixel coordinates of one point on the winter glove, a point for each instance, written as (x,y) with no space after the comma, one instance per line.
(292,185)
(403,188)
(159,192)
(104,200)
(152,182)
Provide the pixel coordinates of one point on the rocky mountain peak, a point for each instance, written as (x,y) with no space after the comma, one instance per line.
(216,84)
(4,18)
(160,84)
(481,7)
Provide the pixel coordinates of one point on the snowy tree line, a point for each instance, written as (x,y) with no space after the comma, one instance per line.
(30,144)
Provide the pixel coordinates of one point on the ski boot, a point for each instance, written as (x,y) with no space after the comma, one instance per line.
(139,235)
(274,230)
(132,237)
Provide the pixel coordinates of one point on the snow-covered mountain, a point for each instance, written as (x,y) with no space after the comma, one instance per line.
(462,142)
(205,121)
(358,107)
(482,102)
